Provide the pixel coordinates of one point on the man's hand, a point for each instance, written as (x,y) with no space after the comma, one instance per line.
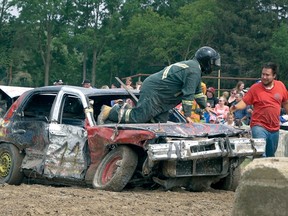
(240,106)
(250,110)
(210,110)
(232,109)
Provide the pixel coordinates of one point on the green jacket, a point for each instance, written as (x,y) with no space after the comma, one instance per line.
(179,82)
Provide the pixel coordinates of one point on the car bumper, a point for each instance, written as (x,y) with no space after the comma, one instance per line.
(210,148)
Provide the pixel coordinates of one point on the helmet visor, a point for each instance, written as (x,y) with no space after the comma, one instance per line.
(217,62)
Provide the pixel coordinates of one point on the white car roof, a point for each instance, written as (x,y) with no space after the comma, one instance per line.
(14,91)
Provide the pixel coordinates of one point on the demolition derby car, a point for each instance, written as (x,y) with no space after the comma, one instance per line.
(51,134)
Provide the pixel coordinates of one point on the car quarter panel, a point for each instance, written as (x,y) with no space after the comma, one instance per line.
(100,137)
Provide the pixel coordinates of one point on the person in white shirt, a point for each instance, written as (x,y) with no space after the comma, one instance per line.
(230,119)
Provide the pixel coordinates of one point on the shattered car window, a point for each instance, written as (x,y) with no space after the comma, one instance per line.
(38,107)
(73,112)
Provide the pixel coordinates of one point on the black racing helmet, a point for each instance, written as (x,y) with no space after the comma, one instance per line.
(208,59)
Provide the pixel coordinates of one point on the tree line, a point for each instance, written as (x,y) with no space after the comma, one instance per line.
(74,40)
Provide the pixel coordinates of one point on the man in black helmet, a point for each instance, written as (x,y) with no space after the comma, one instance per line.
(162,91)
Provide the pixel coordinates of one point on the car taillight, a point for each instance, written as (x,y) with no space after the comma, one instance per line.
(11,110)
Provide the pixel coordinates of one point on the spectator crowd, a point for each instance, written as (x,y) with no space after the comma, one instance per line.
(220,113)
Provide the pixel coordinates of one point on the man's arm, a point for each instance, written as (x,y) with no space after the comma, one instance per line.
(239,106)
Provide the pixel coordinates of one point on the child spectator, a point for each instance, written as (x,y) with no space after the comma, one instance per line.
(128,83)
(230,119)
(213,119)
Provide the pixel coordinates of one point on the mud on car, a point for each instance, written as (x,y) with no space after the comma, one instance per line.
(51,134)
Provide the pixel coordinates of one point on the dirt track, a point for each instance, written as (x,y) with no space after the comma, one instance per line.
(47,200)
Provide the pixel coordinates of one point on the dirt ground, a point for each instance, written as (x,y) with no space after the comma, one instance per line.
(35,199)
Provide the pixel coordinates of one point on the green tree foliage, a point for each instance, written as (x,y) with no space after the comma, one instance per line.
(279,47)
(6,44)
(41,18)
(151,41)
(196,27)
(243,36)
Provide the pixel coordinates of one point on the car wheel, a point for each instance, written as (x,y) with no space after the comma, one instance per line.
(231,181)
(10,165)
(116,169)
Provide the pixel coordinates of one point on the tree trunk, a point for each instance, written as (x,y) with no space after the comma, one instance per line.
(94,67)
(84,73)
(48,56)
(9,81)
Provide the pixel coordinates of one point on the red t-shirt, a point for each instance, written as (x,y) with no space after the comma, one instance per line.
(266,104)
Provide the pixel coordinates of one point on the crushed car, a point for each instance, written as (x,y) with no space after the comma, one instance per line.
(51,134)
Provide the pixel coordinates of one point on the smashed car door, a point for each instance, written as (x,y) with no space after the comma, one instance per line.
(65,156)
(30,130)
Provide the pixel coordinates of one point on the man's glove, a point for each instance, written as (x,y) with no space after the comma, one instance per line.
(198,111)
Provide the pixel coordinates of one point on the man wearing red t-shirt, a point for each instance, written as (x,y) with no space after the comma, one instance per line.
(267,97)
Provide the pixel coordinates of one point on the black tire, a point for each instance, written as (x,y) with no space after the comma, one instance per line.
(116,169)
(231,181)
(10,165)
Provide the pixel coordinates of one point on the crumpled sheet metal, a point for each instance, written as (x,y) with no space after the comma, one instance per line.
(109,135)
(181,129)
(66,159)
(100,137)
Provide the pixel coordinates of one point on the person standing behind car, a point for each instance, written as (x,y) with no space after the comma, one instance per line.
(231,100)
(240,115)
(226,94)
(58,82)
(86,83)
(240,87)
(266,97)
(164,90)
(211,97)
(128,83)
(221,110)
(138,85)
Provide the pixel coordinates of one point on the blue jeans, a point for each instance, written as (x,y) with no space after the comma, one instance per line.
(271,138)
